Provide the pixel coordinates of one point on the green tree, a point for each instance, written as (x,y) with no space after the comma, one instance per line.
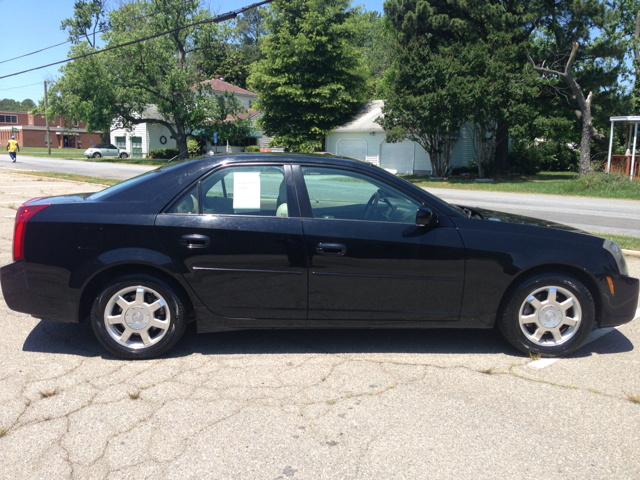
(579,57)
(484,39)
(156,81)
(425,101)
(89,19)
(312,74)
(16,106)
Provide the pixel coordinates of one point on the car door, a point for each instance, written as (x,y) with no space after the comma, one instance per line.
(368,260)
(110,150)
(237,238)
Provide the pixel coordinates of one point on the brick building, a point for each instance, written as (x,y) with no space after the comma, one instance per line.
(30,131)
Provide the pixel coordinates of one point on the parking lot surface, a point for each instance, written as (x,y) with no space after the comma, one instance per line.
(333,404)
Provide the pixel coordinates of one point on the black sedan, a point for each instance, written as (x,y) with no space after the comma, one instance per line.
(287,241)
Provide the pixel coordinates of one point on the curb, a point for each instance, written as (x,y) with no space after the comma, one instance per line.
(631,253)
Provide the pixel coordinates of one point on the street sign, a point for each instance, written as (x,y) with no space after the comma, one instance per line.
(14,130)
(215,138)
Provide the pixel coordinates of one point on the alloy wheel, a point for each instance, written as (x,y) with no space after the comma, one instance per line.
(550,316)
(137,317)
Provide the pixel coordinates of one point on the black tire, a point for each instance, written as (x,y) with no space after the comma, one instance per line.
(172,316)
(124,155)
(552,343)
(97,155)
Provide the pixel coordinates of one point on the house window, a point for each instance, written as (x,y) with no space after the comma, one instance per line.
(8,119)
(121,142)
(75,122)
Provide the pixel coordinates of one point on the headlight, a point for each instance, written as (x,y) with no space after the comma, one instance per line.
(614,249)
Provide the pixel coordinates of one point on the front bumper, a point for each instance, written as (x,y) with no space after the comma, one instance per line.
(621,307)
(20,299)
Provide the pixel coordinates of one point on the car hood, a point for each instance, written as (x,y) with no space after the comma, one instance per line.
(494,216)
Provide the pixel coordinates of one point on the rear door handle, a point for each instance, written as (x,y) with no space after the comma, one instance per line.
(334,249)
(195,241)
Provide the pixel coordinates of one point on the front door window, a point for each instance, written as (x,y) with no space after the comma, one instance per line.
(346,195)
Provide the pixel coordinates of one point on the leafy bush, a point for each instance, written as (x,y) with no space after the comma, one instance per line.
(166,153)
(252,149)
(530,157)
(193,147)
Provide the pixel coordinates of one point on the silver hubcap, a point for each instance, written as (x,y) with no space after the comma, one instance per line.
(137,317)
(550,316)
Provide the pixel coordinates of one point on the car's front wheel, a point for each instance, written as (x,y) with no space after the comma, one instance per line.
(549,315)
(97,155)
(124,155)
(138,316)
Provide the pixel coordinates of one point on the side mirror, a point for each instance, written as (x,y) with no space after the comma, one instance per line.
(425,217)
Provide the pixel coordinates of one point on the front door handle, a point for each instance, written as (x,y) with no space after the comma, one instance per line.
(195,241)
(334,249)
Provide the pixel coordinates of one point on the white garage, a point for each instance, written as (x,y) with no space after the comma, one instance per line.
(352,148)
(398,157)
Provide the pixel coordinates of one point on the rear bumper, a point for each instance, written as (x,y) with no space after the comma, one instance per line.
(621,307)
(20,299)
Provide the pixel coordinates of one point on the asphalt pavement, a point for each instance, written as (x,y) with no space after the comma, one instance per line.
(586,213)
(333,404)
(79,167)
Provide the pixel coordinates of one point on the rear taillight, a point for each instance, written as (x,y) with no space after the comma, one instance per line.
(25,212)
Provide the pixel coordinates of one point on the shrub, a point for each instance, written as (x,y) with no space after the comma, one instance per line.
(252,149)
(529,158)
(193,147)
(165,153)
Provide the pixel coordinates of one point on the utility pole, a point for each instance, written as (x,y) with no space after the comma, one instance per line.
(46,120)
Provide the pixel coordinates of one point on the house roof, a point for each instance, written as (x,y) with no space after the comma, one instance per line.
(219,85)
(365,119)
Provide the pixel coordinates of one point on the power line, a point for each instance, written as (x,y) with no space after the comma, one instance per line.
(99,31)
(22,86)
(220,18)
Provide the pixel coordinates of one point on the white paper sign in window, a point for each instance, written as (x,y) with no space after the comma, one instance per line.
(246,190)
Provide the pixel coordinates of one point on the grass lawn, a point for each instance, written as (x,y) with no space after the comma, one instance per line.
(77,154)
(72,153)
(550,183)
(625,241)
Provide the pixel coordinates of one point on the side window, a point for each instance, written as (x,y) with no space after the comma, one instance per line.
(239,191)
(188,204)
(345,195)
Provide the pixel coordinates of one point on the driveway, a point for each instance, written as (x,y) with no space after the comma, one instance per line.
(332,404)
(587,213)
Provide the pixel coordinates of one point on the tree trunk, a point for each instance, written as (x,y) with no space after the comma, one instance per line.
(181,140)
(585,142)
(502,148)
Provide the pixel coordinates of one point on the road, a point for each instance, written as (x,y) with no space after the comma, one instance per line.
(78,167)
(306,404)
(589,214)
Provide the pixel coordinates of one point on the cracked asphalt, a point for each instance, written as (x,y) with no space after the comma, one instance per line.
(308,404)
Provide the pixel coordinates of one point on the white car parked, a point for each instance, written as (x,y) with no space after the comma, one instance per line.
(105,150)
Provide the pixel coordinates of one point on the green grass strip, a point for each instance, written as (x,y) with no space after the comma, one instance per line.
(599,185)
(72,176)
(625,241)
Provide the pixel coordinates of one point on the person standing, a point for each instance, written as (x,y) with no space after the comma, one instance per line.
(13,148)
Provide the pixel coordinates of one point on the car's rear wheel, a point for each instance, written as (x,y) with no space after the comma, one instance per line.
(124,155)
(138,316)
(97,155)
(549,314)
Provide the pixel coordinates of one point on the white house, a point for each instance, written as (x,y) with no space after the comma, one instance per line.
(143,138)
(363,139)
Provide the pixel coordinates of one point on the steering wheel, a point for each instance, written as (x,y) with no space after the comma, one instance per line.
(371,206)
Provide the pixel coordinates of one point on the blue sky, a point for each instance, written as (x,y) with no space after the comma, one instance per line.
(33,24)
